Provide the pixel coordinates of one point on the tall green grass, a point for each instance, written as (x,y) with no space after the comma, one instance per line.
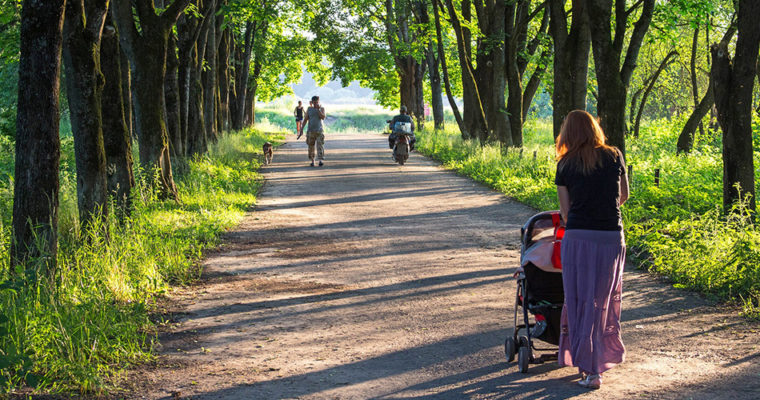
(675,228)
(75,329)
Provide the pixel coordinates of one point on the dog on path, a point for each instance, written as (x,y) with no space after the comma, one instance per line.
(268,153)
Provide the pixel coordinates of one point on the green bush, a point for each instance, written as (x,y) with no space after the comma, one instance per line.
(72,330)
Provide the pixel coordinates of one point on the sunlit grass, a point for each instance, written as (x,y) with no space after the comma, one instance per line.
(72,331)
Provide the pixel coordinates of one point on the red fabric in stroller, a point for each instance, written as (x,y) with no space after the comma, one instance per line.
(544,293)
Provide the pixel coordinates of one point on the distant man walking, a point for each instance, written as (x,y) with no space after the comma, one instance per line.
(314,132)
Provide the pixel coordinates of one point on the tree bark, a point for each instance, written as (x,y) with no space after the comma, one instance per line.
(445,70)
(126,85)
(225,78)
(146,50)
(410,70)
(82,29)
(35,191)
(253,87)
(686,137)
(117,141)
(241,78)
(475,120)
(693,73)
(209,78)
(436,91)
(171,94)
(530,49)
(665,62)
(197,125)
(571,56)
(187,27)
(733,84)
(614,77)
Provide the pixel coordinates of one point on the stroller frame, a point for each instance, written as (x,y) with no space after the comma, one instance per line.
(519,344)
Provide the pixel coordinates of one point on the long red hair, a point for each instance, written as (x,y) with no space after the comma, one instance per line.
(578,141)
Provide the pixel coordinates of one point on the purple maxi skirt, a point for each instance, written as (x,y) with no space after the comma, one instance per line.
(592,274)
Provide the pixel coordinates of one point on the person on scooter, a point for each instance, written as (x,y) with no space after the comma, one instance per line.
(402,117)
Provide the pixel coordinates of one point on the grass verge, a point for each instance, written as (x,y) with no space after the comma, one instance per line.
(71,331)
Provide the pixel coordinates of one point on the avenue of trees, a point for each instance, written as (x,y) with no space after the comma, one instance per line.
(176,74)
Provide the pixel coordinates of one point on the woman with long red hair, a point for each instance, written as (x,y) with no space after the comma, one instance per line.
(592,185)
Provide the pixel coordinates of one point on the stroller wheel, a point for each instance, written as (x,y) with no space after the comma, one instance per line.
(523,359)
(510,348)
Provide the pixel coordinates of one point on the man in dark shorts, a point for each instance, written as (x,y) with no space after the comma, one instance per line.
(402,117)
(298,113)
(315,137)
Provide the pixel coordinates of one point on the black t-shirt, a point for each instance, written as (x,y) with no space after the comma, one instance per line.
(299,112)
(594,198)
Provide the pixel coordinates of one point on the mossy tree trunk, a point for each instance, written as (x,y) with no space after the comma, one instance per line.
(116,137)
(38,148)
(146,50)
(733,84)
(82,30)
(571,53)
(613,74)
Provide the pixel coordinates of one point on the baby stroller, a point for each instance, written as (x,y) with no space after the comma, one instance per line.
(539,291)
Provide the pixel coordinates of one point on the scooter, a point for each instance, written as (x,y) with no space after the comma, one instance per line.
(401,147)
(402,143)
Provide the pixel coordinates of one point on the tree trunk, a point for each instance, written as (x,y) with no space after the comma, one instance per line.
(686,137)
(38,149)
(410,88)
(126,85)
(171,94)
(530,49)
(613,76)
(445,70)
(693,73)
(241,81)
(187,29)
(733,85)
(665,62)
(474,116)
(146,51)
(209,79)
(571,53)
(197,134)
(82,30)
(224,80)
(196,127)
(116,138)
(514,13)
(436,91)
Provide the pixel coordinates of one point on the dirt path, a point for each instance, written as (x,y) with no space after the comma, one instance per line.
(362,279)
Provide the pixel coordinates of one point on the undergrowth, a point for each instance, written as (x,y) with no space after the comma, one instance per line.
(673,228)
(74,329)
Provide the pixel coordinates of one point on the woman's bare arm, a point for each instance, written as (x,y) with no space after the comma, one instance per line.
(564,201)
(624,189)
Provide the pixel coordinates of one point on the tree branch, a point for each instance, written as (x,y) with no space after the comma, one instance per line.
(128,34)
(170,15)
(621,24)
(633,8)
(637,37)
